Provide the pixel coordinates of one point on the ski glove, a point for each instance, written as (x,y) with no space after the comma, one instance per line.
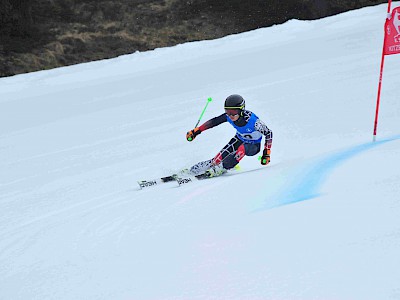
(266,157)
(191,135)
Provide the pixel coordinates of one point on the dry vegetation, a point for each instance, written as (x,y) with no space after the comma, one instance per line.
(44,34)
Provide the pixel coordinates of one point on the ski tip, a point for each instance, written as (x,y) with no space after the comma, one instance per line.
(144,183)
(183,179)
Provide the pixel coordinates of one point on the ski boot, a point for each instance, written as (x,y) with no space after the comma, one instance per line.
(215,171)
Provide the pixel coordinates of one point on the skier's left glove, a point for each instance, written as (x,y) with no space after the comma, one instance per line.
(191,135)
(266,157)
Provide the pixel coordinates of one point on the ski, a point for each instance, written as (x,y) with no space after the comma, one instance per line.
(189,178)
(185,178)
(157,181)
(180,179)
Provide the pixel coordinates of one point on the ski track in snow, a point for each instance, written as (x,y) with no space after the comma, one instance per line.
(304,181)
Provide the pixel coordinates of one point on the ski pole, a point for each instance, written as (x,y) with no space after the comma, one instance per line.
(202,113)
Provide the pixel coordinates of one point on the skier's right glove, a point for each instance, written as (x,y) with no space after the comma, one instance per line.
(191,135)
(266,157)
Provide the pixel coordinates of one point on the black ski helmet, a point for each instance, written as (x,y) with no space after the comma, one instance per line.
(234,102)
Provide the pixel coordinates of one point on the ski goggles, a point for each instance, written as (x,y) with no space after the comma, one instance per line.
(232,112)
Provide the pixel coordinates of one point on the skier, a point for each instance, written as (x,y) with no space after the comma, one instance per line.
(247,141)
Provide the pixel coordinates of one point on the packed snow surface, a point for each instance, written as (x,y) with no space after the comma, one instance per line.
(321,222)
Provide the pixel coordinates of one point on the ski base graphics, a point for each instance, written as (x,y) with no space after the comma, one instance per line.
(180,179)
(154,182)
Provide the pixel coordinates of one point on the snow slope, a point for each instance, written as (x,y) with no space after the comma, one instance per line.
(320,222)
